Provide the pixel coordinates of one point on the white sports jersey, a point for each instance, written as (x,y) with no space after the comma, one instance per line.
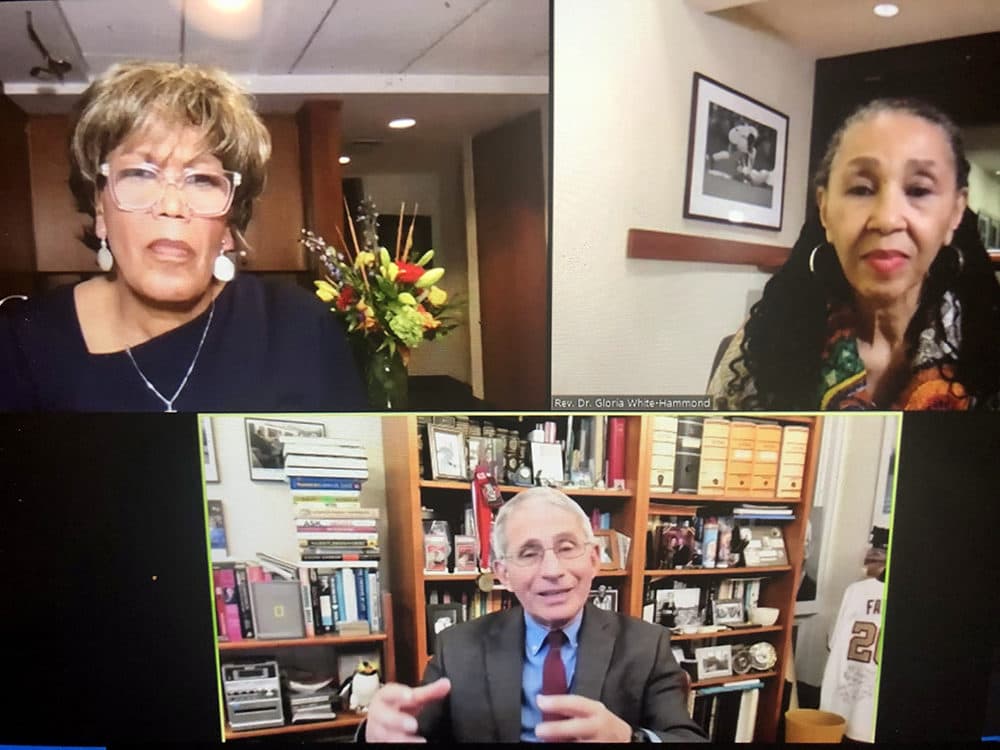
(851,669)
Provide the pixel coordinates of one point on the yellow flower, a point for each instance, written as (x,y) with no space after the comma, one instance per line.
(430,278)
(364,258)
(393,272)
(437,296)
(425,258)
(325,291)
(407,299)
(384,256)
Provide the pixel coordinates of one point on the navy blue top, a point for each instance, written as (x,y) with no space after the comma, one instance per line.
(271,347)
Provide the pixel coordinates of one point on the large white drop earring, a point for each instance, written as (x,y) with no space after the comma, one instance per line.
(223,269)
(105,260)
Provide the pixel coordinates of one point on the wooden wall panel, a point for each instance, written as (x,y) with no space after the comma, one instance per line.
(58,225)
(17,244)
(273,233)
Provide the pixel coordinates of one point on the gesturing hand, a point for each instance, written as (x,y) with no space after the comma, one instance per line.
(585,720)
(392,712)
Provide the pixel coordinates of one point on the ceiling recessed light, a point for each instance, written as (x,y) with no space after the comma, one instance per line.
(886,10)
(345,159)
(402,122)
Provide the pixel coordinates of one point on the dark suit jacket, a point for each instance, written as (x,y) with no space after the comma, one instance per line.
(623,662)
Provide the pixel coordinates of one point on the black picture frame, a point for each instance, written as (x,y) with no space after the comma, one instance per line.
(264,452)
(737,158)
(436,615)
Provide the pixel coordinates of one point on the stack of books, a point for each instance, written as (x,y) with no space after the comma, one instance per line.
(763,512)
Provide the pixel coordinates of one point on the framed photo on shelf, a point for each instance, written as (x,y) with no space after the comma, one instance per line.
(608,550)
(447,452)
(727,612)
(605,597)
(209,456)
(547,463)
(714,661)
(441,617)
(737,149)
(264,445)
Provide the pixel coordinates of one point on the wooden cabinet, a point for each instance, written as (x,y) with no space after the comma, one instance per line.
(631,510)
(58,226)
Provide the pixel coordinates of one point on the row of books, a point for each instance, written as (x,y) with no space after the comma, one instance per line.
(682,536)
(595,451)
(727,712)
(473,604)
(337,597)
(724,457)
(233,602)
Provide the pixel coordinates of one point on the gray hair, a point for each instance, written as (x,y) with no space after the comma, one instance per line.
(549,495)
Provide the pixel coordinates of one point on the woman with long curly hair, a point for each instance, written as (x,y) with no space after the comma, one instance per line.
(890,303)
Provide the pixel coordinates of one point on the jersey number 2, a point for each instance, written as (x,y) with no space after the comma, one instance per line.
(864,643)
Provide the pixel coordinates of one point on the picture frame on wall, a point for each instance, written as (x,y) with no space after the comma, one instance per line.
(447,452)
(608,551)
(209,456)
(264,449)
(737,154)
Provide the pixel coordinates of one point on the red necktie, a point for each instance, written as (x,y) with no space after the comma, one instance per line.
(553,671)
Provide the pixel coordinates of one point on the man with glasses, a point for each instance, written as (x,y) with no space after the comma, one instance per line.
(556,668)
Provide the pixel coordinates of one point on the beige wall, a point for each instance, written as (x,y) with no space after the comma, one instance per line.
(259,515)
(439,194)
(850,486)
(622,85)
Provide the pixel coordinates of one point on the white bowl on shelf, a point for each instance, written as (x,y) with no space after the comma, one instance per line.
(764,616)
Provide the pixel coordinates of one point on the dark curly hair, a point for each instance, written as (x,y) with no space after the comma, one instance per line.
(786,331)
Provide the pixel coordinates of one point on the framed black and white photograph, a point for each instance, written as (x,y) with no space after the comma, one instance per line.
(264,445)
(605,597)
(737,149)
(447,452)
(727,612)
(547,463)
(480,450)
(714,661)
(441,617)
(208,454)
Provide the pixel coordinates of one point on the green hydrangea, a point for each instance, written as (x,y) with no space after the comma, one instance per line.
(407,324)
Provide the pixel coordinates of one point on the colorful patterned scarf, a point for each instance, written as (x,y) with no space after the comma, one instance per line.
(844,382)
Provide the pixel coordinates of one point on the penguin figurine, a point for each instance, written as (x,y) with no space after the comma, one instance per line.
(362,684)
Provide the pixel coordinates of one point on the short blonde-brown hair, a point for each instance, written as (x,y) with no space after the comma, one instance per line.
(129,97)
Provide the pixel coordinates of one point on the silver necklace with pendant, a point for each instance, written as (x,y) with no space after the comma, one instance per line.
(169,402)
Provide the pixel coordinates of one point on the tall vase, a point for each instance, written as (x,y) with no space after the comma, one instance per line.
(387,381)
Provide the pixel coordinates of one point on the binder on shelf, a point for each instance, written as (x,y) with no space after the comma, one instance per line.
(714,455)
(688,455)
(767,447)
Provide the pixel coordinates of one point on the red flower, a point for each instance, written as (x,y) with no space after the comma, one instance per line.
(347,298)
(409,273)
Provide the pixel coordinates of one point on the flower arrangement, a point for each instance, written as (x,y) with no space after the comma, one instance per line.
(391,301)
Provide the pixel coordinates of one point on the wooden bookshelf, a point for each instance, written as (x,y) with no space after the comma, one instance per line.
(253,644)
(344,719)
(733,678)
(630,511)
(735,633)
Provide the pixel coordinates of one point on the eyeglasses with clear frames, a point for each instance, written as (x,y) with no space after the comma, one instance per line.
(142,186)
(533,554)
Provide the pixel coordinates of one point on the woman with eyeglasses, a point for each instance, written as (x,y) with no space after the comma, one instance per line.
(168,159)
